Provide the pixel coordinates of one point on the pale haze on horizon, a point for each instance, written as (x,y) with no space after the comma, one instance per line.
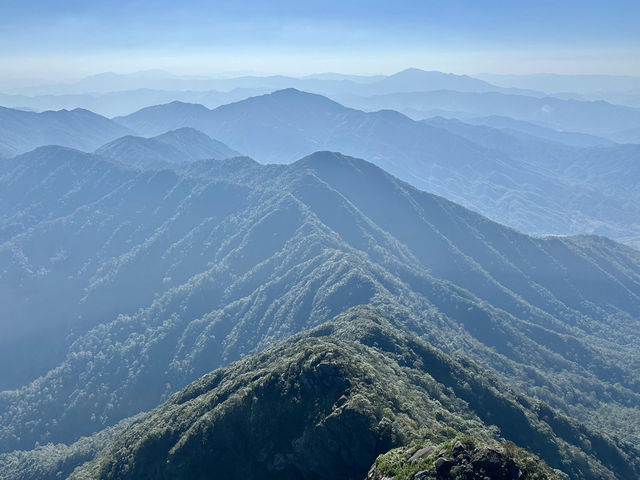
(66,40)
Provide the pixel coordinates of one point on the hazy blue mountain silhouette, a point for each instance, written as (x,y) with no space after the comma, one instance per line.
(627,136)
(592,117)
(515,178)
(124,102)
(411,79)
(417,80)
(114,94)
(171,148)
(21,131)
(568,138)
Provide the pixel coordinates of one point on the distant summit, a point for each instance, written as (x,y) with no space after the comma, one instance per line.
(497,171)
(416,80)
(196,145)
(410,79)
(21,131)
(170,148)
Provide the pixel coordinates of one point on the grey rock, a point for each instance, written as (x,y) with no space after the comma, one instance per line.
(458,449)
(443,466)
(421,454)
(424,475)
(491,463)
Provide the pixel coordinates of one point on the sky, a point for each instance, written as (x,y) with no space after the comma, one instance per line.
(67,39)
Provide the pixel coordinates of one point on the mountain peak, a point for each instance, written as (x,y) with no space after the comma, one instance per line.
(54,153)
(327,161)
(417,71)
(186,106)
(195,144)
(416,80)
(432,73)
(297,95)
(184,132)
(290,99)
(323,156)
(170,148)
(288,91)
(79,128)
(54,150)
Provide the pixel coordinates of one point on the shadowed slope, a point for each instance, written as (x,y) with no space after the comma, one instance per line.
(231,256)
(513,178)
(22,131)
(326,403)
(164,151)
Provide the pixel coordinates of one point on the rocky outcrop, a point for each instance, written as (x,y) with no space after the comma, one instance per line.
(480,464)
(462,461)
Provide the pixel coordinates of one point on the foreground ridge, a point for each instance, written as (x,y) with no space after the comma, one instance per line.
(462,458)
(327,402)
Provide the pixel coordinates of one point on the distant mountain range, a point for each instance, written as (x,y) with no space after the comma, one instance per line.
(592,117)
(534,130)
(112,94)
(411,79)
(521,176)
(590,86)
(416,80)
(169,149)
(533,178)
(619,89)
(124,102)
(21,131)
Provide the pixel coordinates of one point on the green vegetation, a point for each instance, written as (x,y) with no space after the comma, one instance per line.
(466,459)
(325,403)
(57,461)
(167,276)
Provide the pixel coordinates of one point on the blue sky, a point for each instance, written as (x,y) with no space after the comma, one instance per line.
(67,38)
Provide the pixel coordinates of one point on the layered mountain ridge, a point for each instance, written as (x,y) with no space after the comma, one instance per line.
(590,117)
(221,260)
(173,309)
(21,131)
(533,184)
(172,148)
(535,179)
